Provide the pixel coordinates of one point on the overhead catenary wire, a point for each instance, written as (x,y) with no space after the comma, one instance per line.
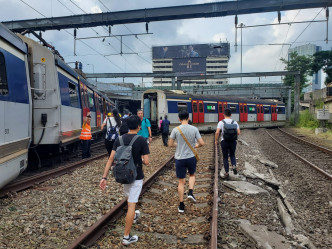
(73,35)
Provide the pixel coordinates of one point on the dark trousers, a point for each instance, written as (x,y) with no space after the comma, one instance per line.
(228,149)
(86,148)
(109,146)
(165,138)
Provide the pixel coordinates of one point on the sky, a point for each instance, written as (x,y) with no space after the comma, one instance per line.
(101,56)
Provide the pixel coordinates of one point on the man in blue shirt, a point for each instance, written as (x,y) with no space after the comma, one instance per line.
(145,130)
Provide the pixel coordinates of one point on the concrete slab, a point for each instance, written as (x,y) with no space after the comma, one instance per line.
(195,239)
(170,239)
(167,184)
(264,238)
(244,187)
(268,163)
(285,217)
(201,205)
(202,179)
(243,142)
(203,186)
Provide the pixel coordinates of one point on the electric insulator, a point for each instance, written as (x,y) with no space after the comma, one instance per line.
(279,16)
(147,27)
(236,20)
(75,32)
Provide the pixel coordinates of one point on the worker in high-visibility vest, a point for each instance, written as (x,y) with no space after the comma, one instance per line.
(86,136)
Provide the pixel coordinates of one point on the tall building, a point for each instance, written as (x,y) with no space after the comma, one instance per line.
(315,80)
(190,60)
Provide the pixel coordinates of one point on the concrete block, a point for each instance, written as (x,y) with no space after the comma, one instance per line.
(244,187)
(285,217)
(268,163)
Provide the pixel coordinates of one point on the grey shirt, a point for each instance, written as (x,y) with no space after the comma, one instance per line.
(182,149)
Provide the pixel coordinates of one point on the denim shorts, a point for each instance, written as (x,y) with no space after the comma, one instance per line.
(183,164)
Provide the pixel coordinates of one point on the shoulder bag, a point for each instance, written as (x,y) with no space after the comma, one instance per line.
(192,149)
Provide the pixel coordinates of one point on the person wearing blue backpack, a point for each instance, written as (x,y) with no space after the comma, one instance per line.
(113,124)
(164,128)
(229,130)
(140,155)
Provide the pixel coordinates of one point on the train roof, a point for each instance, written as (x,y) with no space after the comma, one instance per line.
(13,39)
(179,95)
(59,62)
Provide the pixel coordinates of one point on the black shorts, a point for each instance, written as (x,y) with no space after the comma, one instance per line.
(182,165)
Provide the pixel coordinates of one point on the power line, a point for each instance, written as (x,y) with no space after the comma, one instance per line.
(72,35)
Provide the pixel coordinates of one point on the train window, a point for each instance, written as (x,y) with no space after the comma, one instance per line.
(90,99)
(201,109)
(195,107)
(3,76)
(241,108)
(233,108)
(211,107)
(251,109)
(73,96)
(182,106)
(281,110)
(266,109)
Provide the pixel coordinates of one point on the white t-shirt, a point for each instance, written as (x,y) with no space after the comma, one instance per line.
(113,122)
(221,126)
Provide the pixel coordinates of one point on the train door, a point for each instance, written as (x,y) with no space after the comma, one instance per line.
(273,112)
(195,111)
(200,111)
(260,114)
(243,112)
(98,111)
(84,99)
(221,108)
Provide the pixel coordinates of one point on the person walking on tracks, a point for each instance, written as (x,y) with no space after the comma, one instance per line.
(229,132)
(185,155)
(140,151)
(113,123)
(86,136)
(145,130)
(164,128)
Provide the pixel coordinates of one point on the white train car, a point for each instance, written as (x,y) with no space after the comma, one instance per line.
(15,106)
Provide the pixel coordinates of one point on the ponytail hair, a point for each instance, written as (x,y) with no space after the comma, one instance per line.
(117,117)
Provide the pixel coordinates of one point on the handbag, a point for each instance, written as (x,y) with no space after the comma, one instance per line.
(192,149)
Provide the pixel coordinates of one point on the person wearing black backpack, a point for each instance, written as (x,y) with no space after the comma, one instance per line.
(164,128)
(113,123)
(124,127)
(140,151)
(229,130)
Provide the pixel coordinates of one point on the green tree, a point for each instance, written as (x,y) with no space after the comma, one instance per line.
(323,60)
(297,63)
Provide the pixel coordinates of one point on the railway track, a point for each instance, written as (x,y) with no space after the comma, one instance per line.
(161,226)
(317,157)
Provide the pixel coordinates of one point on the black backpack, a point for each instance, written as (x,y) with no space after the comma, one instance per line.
(125,170)
(230,131)
(112,134)
(124,127)
(164,127)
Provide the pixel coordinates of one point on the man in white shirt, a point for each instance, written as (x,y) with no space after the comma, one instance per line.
(228,146)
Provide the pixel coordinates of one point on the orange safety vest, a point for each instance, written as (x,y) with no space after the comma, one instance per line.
(86,132)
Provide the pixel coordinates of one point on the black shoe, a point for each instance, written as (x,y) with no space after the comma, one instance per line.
(191,197)
(234,171)
(227,176)
(181,208)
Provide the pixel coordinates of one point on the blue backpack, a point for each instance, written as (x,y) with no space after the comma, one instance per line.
(111,134)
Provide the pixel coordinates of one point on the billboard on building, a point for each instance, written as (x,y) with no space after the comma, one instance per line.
(188,66)
(189,51)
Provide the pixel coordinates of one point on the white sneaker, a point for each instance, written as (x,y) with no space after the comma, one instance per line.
(131,239)
(137,215)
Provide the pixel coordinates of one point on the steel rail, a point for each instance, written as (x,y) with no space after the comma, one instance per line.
(214,223)
(307,142)
(89,237)
(42,177)
(302,159)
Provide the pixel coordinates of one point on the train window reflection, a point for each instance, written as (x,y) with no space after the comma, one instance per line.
(3,76)
(73,95)
(251,109)
(194,107)
(90,99)
(201,107)
(281,110)
(233,108)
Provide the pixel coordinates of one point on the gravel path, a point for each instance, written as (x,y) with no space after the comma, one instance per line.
(53,214)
